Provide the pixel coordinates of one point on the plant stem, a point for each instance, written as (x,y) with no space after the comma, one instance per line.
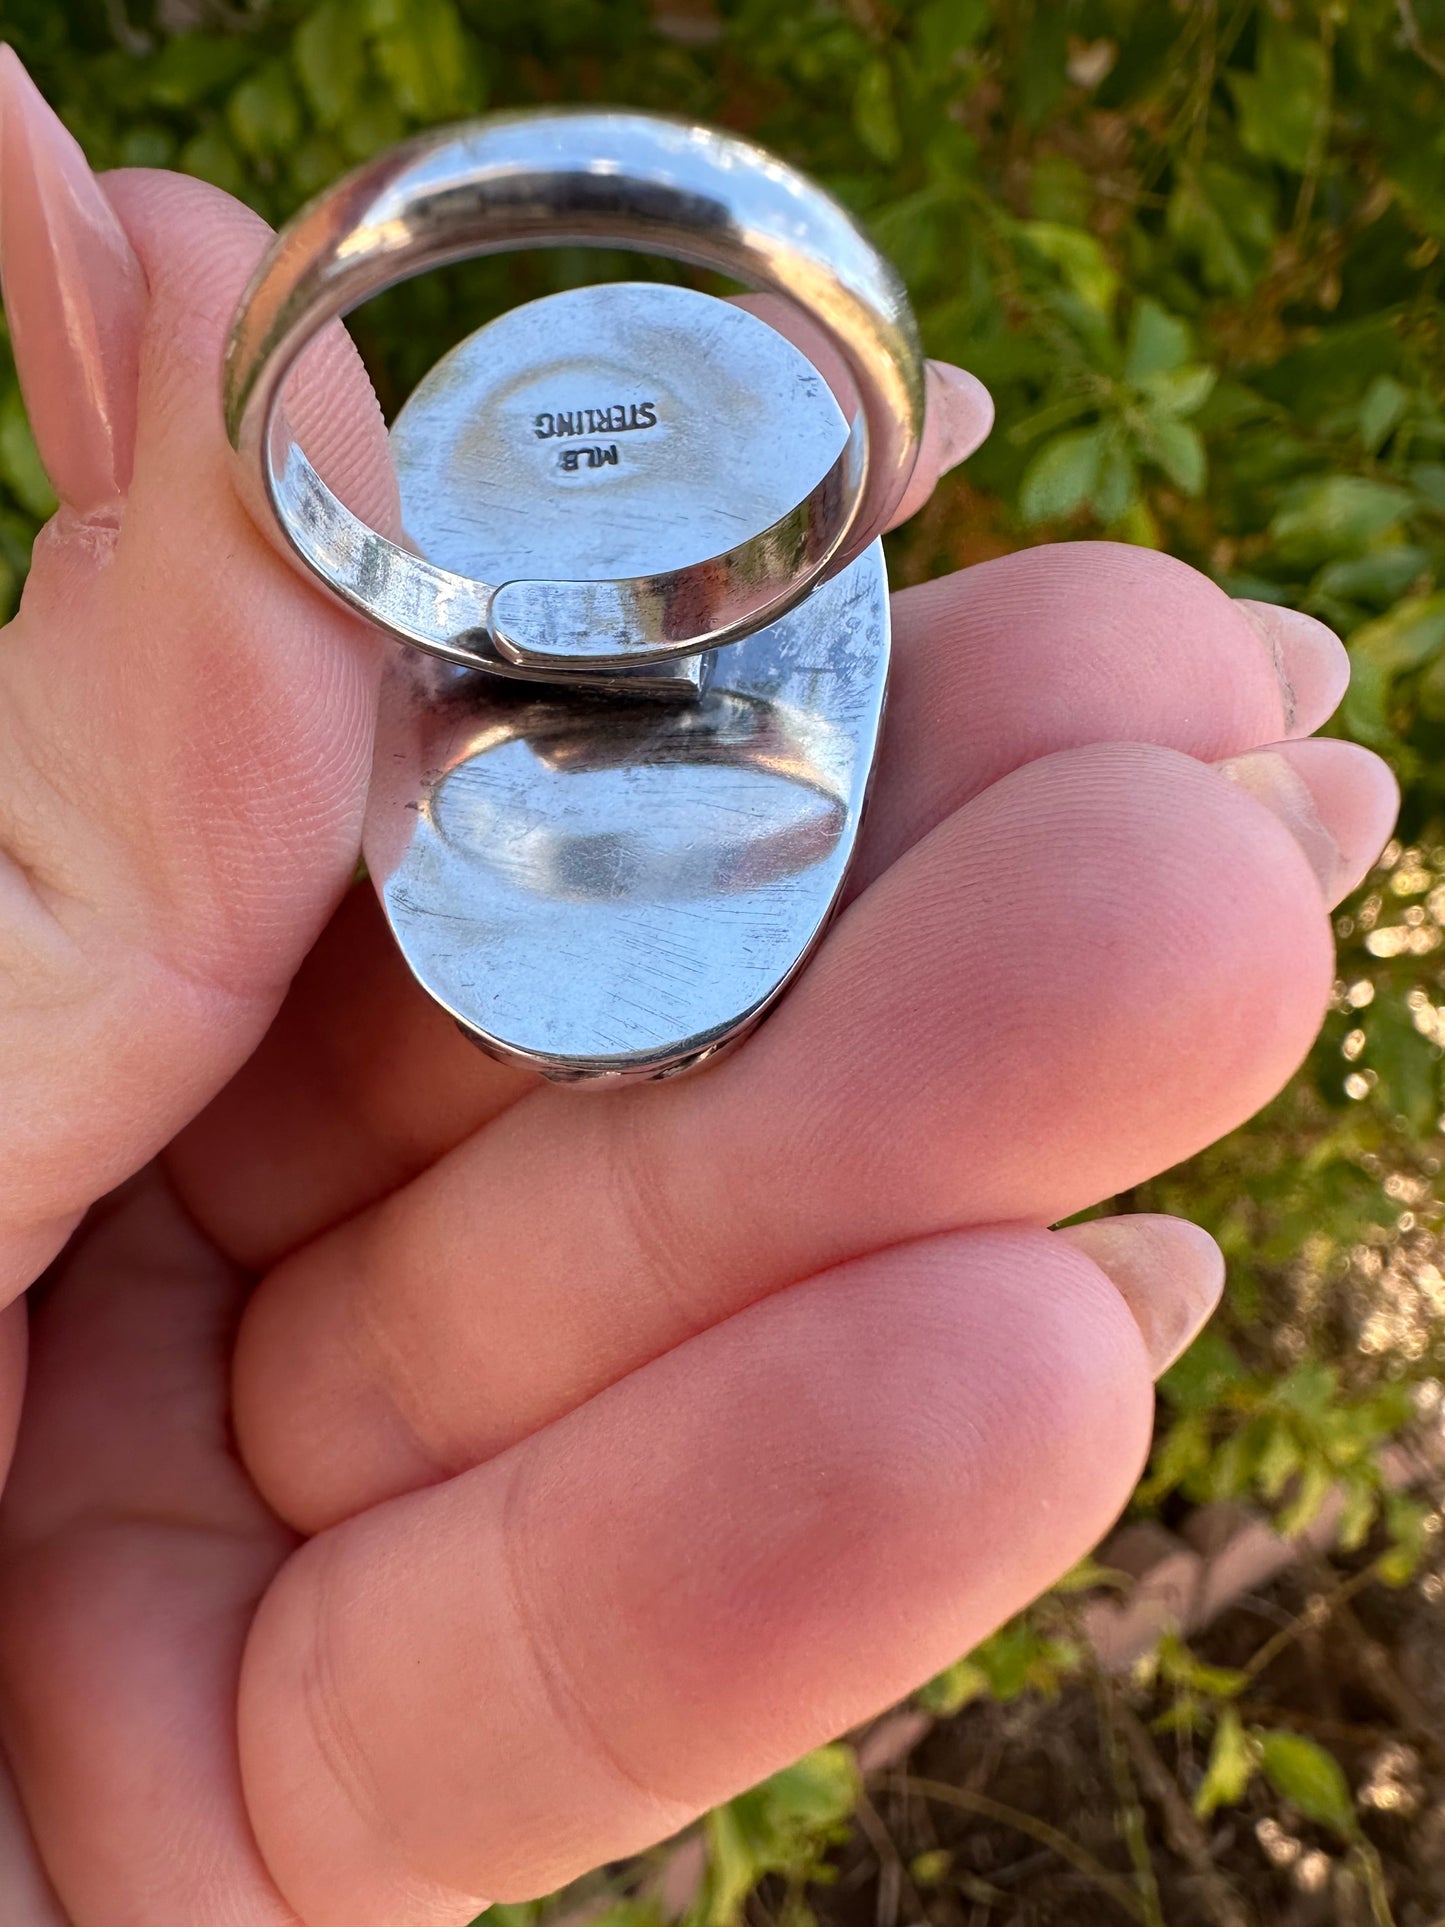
(979,1804)
(1132,1824)
(1185,1834)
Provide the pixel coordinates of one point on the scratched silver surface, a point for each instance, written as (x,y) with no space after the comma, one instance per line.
(598,885)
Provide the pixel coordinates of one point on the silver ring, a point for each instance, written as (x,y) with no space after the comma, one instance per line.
(605,179)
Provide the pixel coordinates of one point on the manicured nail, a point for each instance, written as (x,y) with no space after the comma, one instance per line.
(1168,1272)
(74,297)
(1311,662)
(1337,800)
(960,414)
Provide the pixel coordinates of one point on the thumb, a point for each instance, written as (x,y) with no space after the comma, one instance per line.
(185,726)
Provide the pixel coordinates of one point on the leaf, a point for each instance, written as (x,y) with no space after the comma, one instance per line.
(1117,490)
(875,112)
(1006,1658)
(1381,411)
(1183,1453)
(1060,190)
(1020,1657)
(423,51)
(521,1913)
(931,1867)
(147,145)
(1159,342)
(1356,1516)
(315,163)
(954,1688)
(330,60)
(782,1826)
(1225,219)
(945,27)
(1310,1778)
(211,157)
(1233,1759)
(1281,104)
(733,1867)
(1334,515)
(193,67)
(264,113)
(1178,391)
(1178,448)
(1410,1523)
(1315,1486)
(21,468)
(1206,1374)
(1041,67)
(1310,1389)
(1079,258)
(1234,1467)
(1062,475)
(373,123)
(1382,576)
(1365,711)
(1411,634)
(1406,1063)
(1181,1666)
(1278,1462)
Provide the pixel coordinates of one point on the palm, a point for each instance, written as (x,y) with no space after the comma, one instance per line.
(136,1549)
(591,1458)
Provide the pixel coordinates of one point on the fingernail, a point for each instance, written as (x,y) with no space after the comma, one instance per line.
(1337,800)
(1168,1272)
(74,297)
(963,412)
(1311,662)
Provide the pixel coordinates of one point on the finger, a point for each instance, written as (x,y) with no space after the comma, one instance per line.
(1098,967)
(957,408)
(1081,642)
(187,725)
(1170,1274)
(363,1084)
(387,1030)
(132,1554)
(360,1084)
(731,1556)
(30,1898)
(1338,801)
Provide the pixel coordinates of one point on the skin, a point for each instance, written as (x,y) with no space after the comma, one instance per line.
(429,1485)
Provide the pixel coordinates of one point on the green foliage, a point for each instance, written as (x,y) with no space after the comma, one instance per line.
(784,1827)
(1196,253)
(1022,1656)
(1289,1440)
(1233,1760)
(1299,1769)
(1311,1779)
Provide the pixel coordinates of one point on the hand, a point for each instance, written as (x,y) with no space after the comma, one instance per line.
(428,1484)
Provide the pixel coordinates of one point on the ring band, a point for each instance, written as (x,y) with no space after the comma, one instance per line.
(606,179)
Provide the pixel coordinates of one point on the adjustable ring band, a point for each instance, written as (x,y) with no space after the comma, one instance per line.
(605,179)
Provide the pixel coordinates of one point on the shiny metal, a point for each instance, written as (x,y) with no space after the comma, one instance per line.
(598,887)
(600,179)
(717,423)
(619,779)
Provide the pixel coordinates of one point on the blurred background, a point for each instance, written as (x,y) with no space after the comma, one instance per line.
(1194,248)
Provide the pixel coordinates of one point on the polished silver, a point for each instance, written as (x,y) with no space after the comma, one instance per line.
(599,887)
(615,795)
(604,179)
